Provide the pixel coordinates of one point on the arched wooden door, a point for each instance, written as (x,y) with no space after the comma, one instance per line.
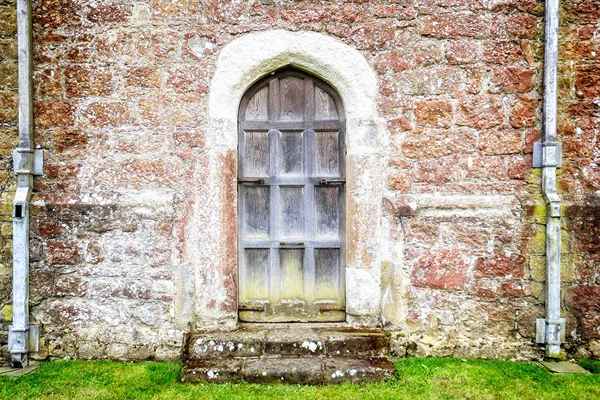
(291,201)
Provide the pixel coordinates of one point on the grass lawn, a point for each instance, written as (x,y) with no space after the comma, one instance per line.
(417,378)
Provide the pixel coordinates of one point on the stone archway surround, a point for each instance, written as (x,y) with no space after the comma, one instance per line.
(209,299)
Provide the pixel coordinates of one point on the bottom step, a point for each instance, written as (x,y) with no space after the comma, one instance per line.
(297,370)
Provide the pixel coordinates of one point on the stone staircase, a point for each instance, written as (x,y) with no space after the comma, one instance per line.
(288,353)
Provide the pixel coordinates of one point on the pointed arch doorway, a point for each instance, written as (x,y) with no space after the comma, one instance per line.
(291,191)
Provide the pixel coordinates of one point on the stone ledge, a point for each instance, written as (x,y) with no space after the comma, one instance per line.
(301,341)
(292,370)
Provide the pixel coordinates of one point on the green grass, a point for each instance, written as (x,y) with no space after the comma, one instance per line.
(417,378)
(591,365)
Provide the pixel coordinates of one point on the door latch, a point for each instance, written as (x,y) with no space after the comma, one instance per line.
(291,244)
(331,181)
(252,181)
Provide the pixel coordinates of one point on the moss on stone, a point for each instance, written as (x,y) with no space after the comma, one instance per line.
(6,313)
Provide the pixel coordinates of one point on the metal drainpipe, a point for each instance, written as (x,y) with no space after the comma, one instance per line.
(23,157)
(552,328)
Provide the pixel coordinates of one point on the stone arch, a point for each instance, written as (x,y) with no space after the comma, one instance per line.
(210,248)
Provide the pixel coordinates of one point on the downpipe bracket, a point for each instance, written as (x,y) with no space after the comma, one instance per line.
(542,325)
(547,154)
(28,161)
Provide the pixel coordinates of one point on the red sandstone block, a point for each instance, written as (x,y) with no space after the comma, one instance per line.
(8,107)
(524,112)
(436,143)
(148,111)
(455,26)
(400,181)
(503,52)
(48,82)
(62,253)
(513,79)
(109,13)
(191,138)
(514,289)
(80,54)
(443,269)
(185,80)
(439,170)
(587,81)
(531,136)
(377,34)
(433,113)
(65,139)
(175,8)
(585,302)
(442,6)
(53,113)
(83,81)
(500,265)
(48,228)
(107,114)
(480,112)
(401,11)
(522,26)
(500,142)
(399,124)
(52,14)
(143,77)
(395,61)
(583,11)
(463,52)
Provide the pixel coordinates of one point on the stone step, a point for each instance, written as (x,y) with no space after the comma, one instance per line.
(310,370)
(285,340)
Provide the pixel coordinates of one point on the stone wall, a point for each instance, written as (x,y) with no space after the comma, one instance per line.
(121,99)
(579,122)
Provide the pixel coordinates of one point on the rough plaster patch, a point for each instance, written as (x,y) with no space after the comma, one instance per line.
(363,287)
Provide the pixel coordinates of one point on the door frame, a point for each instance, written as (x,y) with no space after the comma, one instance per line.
(207,295)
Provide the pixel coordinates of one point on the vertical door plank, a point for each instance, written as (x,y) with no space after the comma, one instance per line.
(327,212)
(325,108)
(256,154)
(327,154)
(292,274)
(255,212)
(292,212)
(292,153)
(292,99)
(257,108)
(327,269)
(255,280)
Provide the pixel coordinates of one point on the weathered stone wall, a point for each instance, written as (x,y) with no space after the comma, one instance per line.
(579,119)
(121,107)
(8,140)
